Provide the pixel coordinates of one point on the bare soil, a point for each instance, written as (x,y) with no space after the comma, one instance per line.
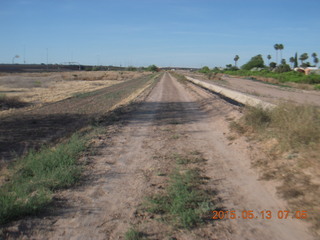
(173,119)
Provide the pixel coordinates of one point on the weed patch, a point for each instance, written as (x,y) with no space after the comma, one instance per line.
(133,234)
(290,138)
(10,102)
(184,202)
(294,126)
(36,176)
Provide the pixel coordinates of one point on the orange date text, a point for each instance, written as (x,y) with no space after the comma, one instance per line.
(265,214)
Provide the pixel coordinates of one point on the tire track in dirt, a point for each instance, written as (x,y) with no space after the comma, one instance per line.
(124,173)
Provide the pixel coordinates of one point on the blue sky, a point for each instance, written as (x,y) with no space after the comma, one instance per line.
(189,33)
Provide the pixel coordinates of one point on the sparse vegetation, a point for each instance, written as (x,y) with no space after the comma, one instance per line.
(290,136)
(294,126)
(34,178)
(83,94)
(10,102)
(184,202)
(133,234)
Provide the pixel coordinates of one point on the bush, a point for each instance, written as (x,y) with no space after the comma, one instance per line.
(282,68)
(205,69)
(255,62)
(10,102)
(153,68)
(273,65)
(258,118)
(131,68)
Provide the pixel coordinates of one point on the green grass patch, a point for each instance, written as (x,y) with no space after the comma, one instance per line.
(35,177)
(189,158)
(133,234)
(184,203)
(317,87)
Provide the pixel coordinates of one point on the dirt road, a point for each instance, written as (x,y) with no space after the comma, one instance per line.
(264,91)
(174,119)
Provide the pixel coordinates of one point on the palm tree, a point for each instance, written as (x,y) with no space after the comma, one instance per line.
(281,47)
(276,47)
(269,58)
(236,58)
(303,57)
(292,60)
(315,59)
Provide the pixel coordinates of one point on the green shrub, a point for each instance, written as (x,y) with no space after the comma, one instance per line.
(255,62)
(205,70)
(282,68)
(152,68)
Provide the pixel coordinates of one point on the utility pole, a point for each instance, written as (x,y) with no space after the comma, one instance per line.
(47,58)
(24,54)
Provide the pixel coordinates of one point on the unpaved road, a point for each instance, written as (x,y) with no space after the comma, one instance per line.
(264,91)
(174,118)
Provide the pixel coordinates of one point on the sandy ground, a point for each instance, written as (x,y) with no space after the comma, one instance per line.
(174,118)
(264,91)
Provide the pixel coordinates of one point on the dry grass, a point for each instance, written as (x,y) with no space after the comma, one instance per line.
(290,138)
(10,102)
(294,126)
(40,88)
(101,75)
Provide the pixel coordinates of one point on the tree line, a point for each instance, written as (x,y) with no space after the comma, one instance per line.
(258,62)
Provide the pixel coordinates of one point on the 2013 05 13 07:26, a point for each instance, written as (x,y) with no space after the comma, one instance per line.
(265,214)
